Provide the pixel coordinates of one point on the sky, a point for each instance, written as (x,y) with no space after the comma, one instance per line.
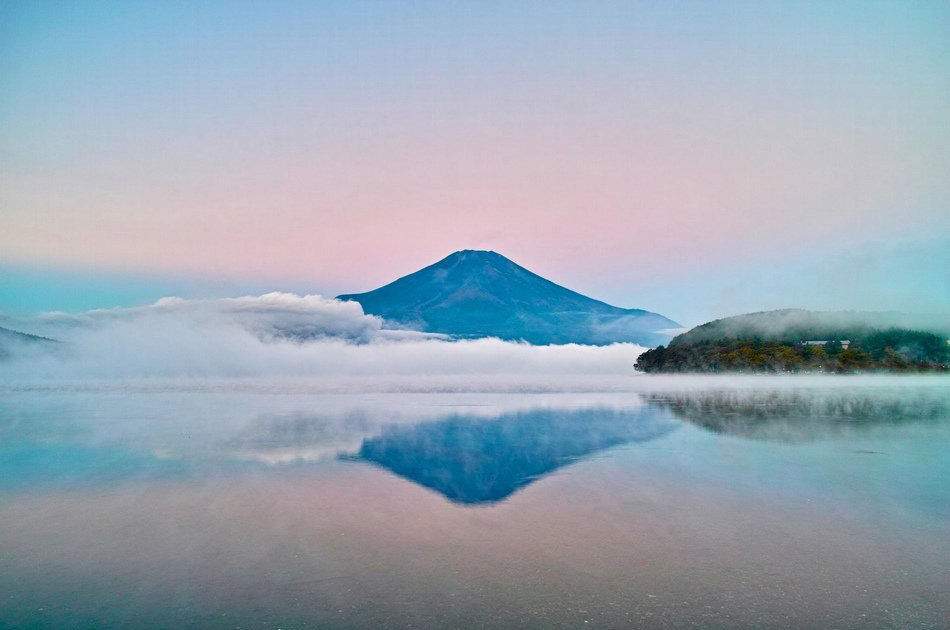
(694,159)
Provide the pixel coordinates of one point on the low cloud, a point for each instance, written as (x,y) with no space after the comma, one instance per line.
(280,334)
(268,317)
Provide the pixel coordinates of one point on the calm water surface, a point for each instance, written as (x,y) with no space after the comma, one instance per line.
(243,505)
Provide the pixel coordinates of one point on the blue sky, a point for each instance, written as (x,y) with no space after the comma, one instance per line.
(697,159)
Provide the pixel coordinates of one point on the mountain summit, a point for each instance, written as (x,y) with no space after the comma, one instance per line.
(474,293)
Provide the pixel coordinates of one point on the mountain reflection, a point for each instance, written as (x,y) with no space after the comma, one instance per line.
(476,460)
(803,416)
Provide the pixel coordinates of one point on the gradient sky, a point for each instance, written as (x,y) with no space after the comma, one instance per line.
(696,159)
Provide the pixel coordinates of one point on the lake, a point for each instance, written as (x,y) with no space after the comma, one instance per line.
(655,503)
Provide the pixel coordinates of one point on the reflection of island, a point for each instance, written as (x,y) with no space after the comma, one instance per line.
(803,415)
(473,460)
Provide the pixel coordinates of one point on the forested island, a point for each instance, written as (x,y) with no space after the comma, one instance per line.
(801,341)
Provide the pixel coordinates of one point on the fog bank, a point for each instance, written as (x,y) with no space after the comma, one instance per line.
(280,334)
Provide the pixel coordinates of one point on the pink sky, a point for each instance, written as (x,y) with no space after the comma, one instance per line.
(342,146)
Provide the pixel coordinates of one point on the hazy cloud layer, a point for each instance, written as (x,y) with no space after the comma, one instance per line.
(283,334)
(269,316)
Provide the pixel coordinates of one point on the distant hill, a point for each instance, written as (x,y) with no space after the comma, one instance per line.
(798,340)
(11,340)
(792,325)
(483,294)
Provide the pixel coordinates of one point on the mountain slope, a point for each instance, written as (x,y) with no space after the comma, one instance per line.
(481,293)
(12,341)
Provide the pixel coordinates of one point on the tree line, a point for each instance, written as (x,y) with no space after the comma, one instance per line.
(893,350)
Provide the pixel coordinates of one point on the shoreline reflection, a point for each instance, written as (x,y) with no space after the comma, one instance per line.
(794,416)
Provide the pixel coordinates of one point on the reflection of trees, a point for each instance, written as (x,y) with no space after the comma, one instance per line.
(802,415)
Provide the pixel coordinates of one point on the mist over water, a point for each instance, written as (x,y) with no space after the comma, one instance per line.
(473,498)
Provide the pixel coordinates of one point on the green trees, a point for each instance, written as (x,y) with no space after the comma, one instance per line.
(853,359)
(796,340)
(892,350)
(912,345)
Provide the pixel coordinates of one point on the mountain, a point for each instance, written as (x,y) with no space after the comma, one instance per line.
(483,294)
(795,340)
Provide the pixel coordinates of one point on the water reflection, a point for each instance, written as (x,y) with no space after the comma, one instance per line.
(472,449)
(474,460)
(167,509)
(804,415)
(300,437)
